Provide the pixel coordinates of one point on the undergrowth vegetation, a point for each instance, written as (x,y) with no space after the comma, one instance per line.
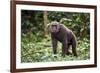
(41,51)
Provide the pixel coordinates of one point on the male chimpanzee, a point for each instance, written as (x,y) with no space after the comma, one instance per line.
(61,33)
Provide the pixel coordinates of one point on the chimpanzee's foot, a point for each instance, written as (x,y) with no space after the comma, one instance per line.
(69,53)
(63,55)
(75,54)
(54,55)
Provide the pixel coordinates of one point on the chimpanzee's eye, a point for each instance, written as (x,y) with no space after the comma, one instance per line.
(54,26)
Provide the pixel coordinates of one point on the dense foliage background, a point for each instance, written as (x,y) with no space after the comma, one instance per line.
(36,42)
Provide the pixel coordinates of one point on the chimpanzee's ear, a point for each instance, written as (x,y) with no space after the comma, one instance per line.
(58,26)
(48,25)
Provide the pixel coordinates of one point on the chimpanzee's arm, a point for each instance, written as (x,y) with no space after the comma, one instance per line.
(54,44)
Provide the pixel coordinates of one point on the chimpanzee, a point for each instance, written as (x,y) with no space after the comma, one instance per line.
(61,33)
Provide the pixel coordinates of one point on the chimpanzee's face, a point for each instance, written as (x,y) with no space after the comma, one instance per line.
(54,27)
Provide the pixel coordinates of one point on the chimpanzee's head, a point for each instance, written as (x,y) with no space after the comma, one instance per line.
(54,27)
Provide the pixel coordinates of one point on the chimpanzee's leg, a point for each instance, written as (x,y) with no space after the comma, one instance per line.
(68,52)
(74,47)
(64,48)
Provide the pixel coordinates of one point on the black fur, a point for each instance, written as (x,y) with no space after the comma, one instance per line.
(61,33)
